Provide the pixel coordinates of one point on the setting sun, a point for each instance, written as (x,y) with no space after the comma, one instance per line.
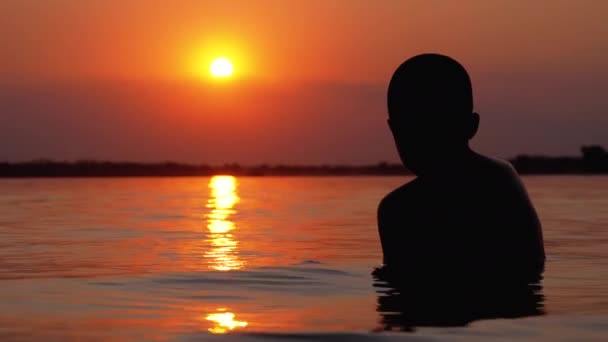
(221,67)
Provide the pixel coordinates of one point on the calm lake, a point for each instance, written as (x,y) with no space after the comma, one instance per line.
(122,259)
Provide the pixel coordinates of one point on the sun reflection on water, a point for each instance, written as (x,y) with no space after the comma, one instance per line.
(222,252)
(224,322)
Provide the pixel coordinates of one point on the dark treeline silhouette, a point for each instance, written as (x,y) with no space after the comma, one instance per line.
(48,168)
(594,160)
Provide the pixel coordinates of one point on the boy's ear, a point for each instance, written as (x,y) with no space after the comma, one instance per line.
(473,126)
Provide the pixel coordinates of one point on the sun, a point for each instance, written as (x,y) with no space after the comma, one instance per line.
(221,67)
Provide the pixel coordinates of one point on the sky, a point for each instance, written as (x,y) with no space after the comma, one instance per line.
(128,79)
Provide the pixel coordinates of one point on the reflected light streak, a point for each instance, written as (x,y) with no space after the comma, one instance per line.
(224,322)
(222,253)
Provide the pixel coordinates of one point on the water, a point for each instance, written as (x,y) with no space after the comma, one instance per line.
(255,258)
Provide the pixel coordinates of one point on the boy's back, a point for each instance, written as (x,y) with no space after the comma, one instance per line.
(464,212)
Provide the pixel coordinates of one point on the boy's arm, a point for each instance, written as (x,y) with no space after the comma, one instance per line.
(523,217)
(382,219)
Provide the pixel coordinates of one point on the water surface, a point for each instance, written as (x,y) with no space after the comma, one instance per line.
(253,258)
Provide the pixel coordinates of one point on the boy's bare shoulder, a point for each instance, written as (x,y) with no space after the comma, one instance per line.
(496,165)
(396,198)
(496,175)
(497,171)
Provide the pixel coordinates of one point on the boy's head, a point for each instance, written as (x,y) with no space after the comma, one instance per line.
(430,107)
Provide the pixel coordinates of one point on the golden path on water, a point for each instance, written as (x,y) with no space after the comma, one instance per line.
(224,321)
(222,250)
(222,253)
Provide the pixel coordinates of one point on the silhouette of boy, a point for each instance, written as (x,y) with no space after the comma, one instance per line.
(464,213)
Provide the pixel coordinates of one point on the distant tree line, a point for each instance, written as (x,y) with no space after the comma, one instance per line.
(88,168)
(594,160)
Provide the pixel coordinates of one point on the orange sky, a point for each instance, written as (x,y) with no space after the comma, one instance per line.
(294,40)
(533,64)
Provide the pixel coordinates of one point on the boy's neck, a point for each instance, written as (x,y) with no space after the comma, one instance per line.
(454,162)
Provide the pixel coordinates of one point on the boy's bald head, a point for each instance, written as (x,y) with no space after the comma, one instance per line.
(430,106)
(430,83)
